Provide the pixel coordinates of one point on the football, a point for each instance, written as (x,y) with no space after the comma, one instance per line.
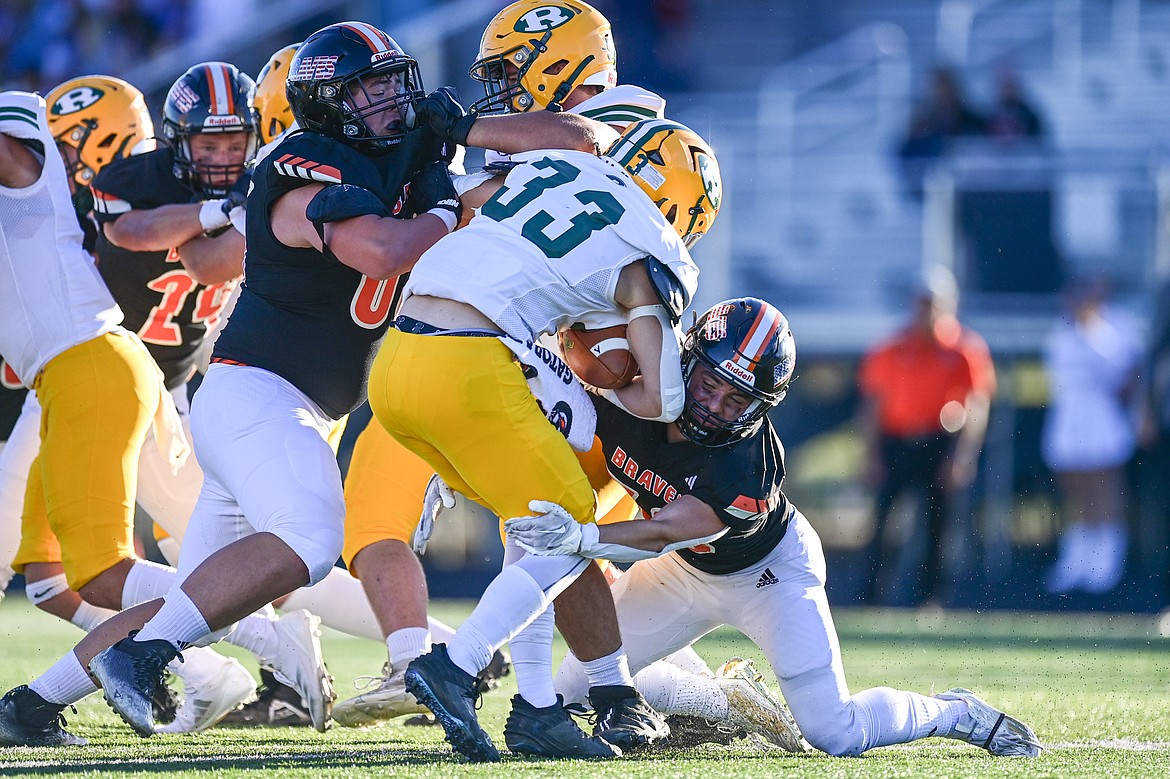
(600,358)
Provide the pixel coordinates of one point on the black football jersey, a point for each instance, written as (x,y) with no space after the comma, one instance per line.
(302,314)
(168,310)
(12,394)
(741,482)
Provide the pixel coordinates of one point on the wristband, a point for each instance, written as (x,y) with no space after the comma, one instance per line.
(212,215)
(448,217)
(239,218)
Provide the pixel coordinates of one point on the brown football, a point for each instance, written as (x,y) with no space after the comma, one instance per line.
(601,358)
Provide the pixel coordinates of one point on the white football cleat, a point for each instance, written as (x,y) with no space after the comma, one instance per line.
(986,726)
(387,700)
(752,706)
(209,697)
(299,664)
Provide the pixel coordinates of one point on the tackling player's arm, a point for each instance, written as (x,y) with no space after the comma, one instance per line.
(213,260)
(380,247)
(686,520)
(19,166)
(659,392)
(514,133)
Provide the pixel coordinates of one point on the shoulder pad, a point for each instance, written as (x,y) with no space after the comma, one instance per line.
(21,115)
(669,289)
(343,201)
(623,105)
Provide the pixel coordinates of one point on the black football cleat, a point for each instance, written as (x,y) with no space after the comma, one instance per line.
(551,732)
(130,672)
(451,694)
(27,719)
(625,719)
(276,705)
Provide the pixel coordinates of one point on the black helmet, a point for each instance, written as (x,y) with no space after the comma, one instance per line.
(331,68)
(211,97)
(747,343)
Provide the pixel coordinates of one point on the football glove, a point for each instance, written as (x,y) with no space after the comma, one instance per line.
(550,531)
(438,497)
(431,191)
(441,111)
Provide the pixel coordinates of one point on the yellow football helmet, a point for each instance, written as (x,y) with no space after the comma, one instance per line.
(103,118)
(271,101)
(535,52)
(677,169)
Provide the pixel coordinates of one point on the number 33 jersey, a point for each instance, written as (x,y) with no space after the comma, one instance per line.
(548,247)
(169,310)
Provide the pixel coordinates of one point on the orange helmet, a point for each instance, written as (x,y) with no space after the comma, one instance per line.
(551,46)
(103,118)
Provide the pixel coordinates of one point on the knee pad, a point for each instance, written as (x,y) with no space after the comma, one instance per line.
(319,547)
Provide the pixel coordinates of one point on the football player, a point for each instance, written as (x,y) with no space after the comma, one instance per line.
(99,387)
(567,233)
(560,58)
(330,235)
(716,473)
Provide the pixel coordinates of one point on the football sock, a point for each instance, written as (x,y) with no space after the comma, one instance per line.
(406,644)
(256,634)
(671,690)
(146,581)
(66,682)
(340,602)
(531,651)
(178,621)
(897,716)
(441,632)
(688,660)
(613,669)
(87,617)
(510,602)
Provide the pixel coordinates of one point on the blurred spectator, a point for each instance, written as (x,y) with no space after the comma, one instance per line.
(926,395)
(943,114)
(1091,357)
(48,41)
(1012,117)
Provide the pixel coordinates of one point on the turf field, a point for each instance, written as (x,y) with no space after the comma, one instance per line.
(1095,688)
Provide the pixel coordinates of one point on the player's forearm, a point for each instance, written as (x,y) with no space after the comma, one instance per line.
(214,260)
(513,133)
(382,247)
(155,229)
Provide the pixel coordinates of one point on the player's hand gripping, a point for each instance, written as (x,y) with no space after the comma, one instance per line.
(441,111)
(431,192)
(439,496)
(551,531)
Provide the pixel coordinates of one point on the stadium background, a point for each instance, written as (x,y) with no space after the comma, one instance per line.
(806,102)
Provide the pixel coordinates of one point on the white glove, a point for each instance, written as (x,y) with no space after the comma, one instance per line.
(551,531)
(213,215)
(438,497)
(239,217)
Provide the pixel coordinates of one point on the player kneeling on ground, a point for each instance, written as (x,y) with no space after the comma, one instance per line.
(718,470)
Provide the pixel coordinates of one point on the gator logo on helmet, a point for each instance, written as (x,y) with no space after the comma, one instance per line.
(711,181)
(76,100)
(546,17)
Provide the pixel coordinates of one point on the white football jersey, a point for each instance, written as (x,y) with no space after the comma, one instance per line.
(546,250)
(51,295)
(619,107)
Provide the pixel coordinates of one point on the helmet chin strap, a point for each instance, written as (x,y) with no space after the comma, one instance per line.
(556,105)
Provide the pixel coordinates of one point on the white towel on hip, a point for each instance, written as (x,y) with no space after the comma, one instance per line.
(557,391)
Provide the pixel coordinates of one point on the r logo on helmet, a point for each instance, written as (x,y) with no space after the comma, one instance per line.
(547,17)
(76,100)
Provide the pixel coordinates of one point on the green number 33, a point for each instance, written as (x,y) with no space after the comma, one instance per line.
(507,202)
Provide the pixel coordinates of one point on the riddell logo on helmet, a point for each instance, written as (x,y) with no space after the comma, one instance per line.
(383,55)
(223,121)
(739,373)
(315,68)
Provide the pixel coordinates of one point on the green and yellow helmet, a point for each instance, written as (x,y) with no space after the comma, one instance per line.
(103,118)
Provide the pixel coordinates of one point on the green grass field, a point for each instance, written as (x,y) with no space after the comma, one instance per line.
(1095,688)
